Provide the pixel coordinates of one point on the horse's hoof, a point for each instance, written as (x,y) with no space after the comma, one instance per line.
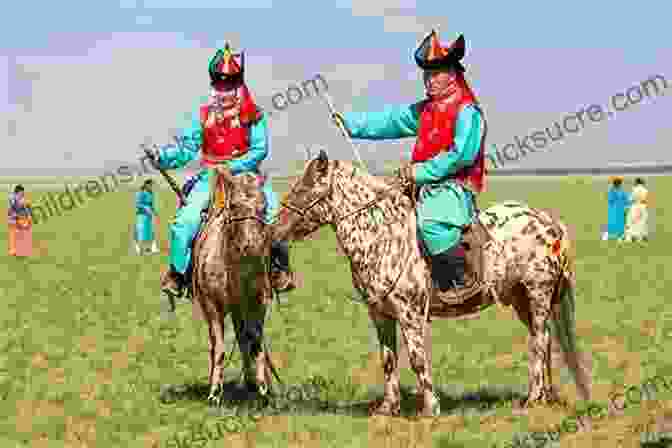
(384,408)
(436,407)
(215,396)
(434,410)
(549,397)
(554,398)
(257,391)
(528,403)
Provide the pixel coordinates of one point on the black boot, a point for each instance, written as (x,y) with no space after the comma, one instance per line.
(249,343)
(173,282)
(448,269)
(280,256)
(282,277)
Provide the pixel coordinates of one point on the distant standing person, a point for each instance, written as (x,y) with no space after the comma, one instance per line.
(637,225)
(20,220)
(619,202)
(145,214)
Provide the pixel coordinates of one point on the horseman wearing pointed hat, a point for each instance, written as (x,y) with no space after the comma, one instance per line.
(447,163)
(229,129)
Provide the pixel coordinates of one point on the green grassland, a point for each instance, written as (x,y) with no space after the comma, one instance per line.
(85,355)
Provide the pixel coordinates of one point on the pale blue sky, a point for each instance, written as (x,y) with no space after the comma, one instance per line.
(86,82)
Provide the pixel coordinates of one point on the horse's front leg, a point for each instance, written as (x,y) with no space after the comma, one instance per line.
(249,325)
(216,318)
(413,327)
(387,336)
(404,357)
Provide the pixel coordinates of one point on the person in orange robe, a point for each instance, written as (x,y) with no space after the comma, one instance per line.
(20,221)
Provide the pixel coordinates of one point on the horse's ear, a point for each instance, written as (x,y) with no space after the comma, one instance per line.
(322,161)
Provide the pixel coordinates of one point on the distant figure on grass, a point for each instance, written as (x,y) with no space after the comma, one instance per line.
(619,202)
(637,225)
(145,215)
(20,221)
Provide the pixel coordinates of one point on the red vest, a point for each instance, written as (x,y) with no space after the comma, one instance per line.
(436,133)
(230,137)
(221,140)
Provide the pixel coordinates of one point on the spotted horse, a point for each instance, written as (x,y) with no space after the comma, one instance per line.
(231,275)
(516,256)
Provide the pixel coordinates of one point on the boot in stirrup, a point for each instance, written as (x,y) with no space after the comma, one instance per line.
(448,269)
(173,283)
(282,278)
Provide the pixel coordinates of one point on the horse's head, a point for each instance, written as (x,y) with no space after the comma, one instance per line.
(308,205)
(243,214)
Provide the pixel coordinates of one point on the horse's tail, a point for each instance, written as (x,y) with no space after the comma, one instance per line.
(564,329)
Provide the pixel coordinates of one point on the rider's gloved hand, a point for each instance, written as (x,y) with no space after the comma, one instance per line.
(153,152)
(406,178)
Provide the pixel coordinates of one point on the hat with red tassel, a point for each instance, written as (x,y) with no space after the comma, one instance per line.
(431,55)
(226,65)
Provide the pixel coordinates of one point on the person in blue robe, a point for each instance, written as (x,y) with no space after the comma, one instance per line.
(619,203)
(145,214)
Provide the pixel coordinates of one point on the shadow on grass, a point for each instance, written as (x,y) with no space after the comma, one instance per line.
(289,399)
(480,401)
(308,398)
(663,442)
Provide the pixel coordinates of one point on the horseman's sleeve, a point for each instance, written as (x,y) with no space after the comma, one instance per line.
(186,149)
(466,144)
(257,152)
(392,123)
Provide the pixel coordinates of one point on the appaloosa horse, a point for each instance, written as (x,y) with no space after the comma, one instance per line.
(516,256)
(231,260)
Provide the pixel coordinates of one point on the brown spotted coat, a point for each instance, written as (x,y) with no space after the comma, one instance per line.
(528,265)
(231,260)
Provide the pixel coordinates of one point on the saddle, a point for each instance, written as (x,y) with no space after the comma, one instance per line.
(474,238)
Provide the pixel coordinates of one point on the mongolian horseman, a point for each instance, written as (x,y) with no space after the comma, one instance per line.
(229,129)
(447,163)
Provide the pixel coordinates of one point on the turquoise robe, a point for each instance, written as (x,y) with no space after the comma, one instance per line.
(144,214)
(445,207)
(188,218)
(619,202)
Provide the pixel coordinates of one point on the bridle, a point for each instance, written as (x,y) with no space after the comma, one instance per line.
(303,211)
(336,219)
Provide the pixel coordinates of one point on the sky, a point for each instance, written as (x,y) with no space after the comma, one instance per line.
(83,84)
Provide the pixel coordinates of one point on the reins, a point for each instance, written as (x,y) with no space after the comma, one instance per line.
(379,196)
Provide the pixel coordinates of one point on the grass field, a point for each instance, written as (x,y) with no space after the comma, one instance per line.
(85,357)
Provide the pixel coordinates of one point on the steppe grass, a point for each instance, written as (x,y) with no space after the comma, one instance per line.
(86,358)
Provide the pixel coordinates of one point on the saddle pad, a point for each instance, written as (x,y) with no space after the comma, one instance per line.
(220,195)
(217,190)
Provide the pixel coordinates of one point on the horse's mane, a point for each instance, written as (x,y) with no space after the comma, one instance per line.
(377,182)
